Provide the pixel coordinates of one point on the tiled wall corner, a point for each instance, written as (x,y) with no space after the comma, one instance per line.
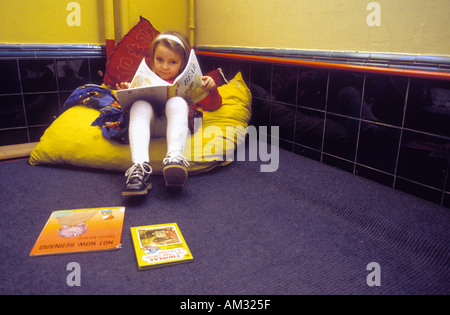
(391,129)
(36,81)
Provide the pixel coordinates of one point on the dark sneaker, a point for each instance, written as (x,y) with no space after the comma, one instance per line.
(138,180)
(175,171)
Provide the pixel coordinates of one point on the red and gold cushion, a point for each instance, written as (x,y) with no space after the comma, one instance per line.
(128,53)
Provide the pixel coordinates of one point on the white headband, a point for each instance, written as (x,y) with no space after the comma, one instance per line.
(171,37)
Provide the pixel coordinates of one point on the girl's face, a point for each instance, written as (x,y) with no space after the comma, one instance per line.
(167,62)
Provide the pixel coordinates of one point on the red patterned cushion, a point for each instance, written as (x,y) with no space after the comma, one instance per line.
(128,54)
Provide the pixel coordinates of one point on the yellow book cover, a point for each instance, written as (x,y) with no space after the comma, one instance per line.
(81,230)
(159,245)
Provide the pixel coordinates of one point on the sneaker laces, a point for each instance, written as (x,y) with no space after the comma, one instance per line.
(173,157)
(138,170)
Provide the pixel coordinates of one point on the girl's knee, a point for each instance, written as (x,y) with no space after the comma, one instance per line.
(141,105)
(176,101)
(176,107)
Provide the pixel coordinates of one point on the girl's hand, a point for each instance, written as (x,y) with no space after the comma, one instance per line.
(123,85)
(208,83)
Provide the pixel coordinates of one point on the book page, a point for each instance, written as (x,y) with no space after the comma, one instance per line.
(148,86)
(144,76)
(189,83)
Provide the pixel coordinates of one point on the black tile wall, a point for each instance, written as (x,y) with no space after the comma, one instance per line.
(9,80)
(391,129)
(428,108)
(32,91)
(344,94)
(385,96)
(378,146)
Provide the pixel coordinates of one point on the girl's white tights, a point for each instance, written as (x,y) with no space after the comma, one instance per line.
(144,124)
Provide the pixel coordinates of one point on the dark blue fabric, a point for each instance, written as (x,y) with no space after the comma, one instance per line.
(112,120)
(307,228)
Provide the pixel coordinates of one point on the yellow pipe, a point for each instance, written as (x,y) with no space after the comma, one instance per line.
(192,23)
(108,11)
(124,17)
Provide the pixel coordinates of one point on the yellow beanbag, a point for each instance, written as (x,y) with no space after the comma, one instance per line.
(71,140)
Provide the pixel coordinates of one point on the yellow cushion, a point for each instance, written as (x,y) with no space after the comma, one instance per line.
(71,139)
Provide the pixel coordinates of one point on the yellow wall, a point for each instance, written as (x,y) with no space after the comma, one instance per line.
(163,14)
(407,26)
(45,21)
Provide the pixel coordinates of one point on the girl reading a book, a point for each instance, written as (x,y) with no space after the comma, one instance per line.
(169,54)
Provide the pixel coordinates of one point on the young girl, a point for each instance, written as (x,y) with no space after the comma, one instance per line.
(169,54)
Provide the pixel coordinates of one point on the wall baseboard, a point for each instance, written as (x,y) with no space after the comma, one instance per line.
(400,61)
(51,50)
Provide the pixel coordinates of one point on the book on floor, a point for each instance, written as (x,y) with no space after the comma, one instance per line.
(147,85)
(159,245)
(81,230)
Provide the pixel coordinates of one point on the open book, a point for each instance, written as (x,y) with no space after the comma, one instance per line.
(148,86)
